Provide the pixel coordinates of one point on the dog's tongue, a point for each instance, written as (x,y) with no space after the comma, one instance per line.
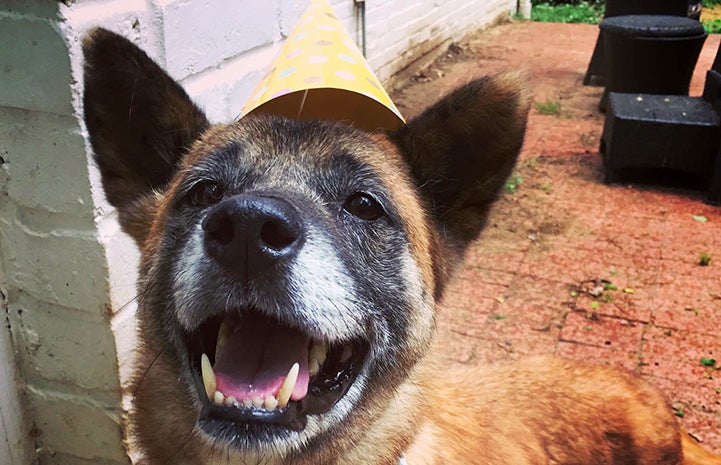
(256,358)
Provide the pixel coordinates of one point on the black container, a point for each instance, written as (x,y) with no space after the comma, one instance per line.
(596,72)
(650,54)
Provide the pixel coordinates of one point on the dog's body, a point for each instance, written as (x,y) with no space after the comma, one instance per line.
(271,246)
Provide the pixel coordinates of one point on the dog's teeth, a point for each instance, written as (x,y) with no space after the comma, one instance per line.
(313,367)
(257,402)
(319,352)
(270,403)
(218,398)
(225,331)
(231,401)
(206,370)
(247,403)
(288,385)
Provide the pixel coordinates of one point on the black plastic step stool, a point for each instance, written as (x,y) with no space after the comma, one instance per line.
(668,132)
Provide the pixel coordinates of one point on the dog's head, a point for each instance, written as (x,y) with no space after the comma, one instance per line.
(289,269)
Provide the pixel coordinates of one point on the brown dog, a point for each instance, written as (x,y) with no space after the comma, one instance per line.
(288,281)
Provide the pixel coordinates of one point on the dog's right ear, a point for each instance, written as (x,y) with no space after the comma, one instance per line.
(140,121)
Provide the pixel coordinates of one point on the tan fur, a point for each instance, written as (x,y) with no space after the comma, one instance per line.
(544,410)
(694,454)
(443,172)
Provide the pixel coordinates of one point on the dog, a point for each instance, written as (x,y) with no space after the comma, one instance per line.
(288,280)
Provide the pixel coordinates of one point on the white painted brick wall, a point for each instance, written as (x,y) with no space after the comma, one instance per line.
(196,40)
(15,449)
(67,273)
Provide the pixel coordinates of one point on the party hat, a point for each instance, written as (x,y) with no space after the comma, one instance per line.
(321,74)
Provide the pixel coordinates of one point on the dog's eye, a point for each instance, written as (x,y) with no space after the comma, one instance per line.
(205,193)
(363,206)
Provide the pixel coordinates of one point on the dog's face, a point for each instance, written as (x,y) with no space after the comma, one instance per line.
(289,269)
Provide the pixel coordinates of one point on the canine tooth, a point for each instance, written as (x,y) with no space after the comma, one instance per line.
(206,370)
(225,331)
(288,385)
(270,403)
(313,367)
(218,398)
(318,351)
(231,401)
(257,402)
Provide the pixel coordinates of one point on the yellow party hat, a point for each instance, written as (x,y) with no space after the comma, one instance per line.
(321,74)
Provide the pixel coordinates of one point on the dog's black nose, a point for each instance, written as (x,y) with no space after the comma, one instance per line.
(250,233)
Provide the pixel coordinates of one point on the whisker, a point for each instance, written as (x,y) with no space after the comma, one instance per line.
(139,382)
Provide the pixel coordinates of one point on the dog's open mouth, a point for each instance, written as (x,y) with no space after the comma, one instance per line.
(257,370)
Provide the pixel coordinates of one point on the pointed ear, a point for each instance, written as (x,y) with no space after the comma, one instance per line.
(462,149)
(140,121)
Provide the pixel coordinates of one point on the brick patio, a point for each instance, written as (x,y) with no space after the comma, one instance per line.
(534,282)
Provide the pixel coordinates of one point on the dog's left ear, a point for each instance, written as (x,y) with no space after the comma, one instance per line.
(462,149)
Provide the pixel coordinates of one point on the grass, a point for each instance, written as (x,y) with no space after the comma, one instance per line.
(549,107)
(514,182)
(713,26)
(704,259)
(584,12)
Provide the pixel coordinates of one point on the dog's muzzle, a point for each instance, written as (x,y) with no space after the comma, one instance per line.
(250,367)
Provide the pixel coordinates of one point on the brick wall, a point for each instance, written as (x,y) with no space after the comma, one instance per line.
(66,270)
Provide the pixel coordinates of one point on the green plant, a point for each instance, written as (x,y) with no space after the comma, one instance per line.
(704,259)
(710,3)
(582,12)
(532,162)
(713,26)
(548,107)
(514,182)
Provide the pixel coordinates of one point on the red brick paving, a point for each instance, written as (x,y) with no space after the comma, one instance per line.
(521,288)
